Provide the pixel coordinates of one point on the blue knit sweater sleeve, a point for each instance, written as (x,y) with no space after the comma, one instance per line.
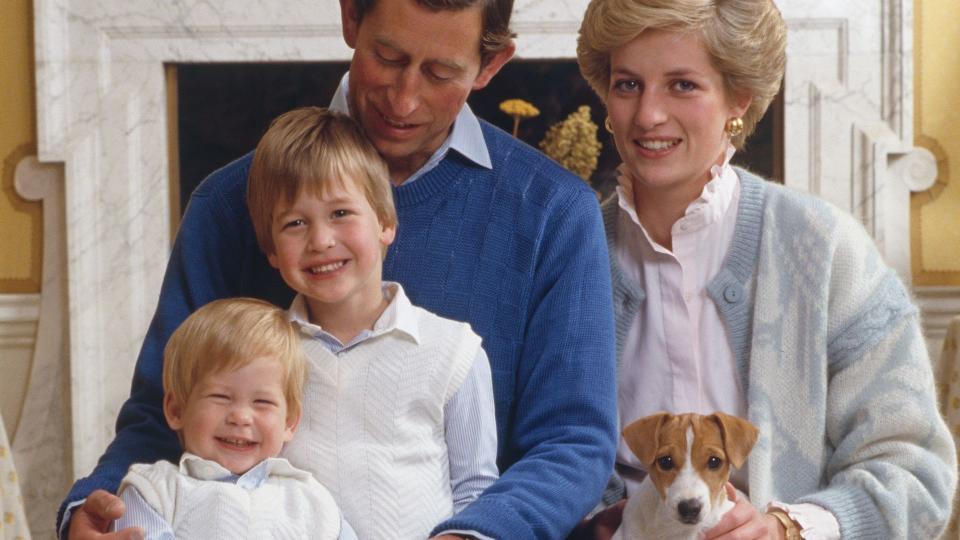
(210,260)
(559,447)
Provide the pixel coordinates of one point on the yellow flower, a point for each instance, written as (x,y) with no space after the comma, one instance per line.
(518,109)
(573,143)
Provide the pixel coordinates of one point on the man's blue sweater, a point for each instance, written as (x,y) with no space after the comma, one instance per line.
(518,251)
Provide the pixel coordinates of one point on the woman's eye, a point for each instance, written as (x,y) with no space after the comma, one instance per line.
(626,85)
(665,463)
(684,86)
(714,463)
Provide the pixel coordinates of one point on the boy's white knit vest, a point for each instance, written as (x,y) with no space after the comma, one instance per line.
(372,429)
(288,505)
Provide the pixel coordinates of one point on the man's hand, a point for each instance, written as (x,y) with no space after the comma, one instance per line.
(601,526)
(606,522)
(92,519)
(745,522)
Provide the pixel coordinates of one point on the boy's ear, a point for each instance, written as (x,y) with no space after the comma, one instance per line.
(293,420)
(388,233)
(272,259)
(173,411)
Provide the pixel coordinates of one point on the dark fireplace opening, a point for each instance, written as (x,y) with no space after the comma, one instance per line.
(223,109)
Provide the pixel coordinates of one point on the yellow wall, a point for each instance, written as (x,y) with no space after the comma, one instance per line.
(935,214)
(20,221)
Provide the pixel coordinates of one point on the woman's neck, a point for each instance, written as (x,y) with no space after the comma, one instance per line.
(659,209)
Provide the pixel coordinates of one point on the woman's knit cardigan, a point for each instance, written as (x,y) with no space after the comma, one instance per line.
(835,368)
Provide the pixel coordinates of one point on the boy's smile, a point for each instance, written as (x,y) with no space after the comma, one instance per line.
(237,418)
(329,247)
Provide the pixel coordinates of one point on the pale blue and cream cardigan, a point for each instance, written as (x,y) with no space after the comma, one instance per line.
(831,355)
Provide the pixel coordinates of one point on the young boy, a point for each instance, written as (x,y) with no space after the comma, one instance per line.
(398,418)
(232,376)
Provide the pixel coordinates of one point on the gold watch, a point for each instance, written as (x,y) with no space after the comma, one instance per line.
(791,528)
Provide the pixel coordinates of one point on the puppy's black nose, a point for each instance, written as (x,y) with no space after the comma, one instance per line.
(689,510)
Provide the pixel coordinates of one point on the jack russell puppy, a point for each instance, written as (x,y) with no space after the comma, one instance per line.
(688,459)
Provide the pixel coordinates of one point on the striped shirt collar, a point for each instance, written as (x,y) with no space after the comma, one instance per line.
(205,469)
(399,315)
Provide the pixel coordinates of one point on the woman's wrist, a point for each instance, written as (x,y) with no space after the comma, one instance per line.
(786,528)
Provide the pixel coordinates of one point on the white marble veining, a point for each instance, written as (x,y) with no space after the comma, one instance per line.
(41,444)
(102,113)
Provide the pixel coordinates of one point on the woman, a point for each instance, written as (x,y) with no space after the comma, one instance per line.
(737,295)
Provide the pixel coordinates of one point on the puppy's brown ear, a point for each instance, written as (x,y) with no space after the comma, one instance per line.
(739,436)
(641,436)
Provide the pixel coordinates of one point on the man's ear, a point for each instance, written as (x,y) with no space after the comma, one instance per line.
(492,64)
(351,25)
(173,411)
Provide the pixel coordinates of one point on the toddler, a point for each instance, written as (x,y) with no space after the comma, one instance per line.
(232,376)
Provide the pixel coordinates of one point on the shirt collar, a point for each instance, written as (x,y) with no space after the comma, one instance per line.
(204,469)
(466,136)
(399,316)
(710,206)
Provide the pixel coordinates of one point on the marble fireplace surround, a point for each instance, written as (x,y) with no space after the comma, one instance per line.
(102,113)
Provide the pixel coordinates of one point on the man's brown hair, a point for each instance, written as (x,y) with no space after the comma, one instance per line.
(496,34)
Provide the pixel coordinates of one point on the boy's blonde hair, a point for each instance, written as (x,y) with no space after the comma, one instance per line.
(228,334)
(745,39)
(310,150)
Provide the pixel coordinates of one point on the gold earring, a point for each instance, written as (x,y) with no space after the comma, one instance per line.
(734,126)
(608,125)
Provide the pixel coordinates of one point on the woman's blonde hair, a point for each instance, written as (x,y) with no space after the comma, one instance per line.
(226,335)
(745,39)
(312,150)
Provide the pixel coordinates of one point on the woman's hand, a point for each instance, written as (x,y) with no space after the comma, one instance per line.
(745,522)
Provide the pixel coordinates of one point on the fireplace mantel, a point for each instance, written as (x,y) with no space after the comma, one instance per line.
(102,113)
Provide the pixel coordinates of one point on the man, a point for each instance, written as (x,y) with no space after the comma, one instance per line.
(490,232)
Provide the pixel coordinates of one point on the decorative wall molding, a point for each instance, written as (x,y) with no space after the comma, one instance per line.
(42,443)
(938,306)
(29,282)
(19,315)
(18,309)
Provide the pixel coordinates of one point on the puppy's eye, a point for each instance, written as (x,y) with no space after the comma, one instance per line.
(665,463)
(714,462)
